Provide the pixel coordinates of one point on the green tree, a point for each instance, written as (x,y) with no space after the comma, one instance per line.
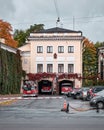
(22,35)
(99,44)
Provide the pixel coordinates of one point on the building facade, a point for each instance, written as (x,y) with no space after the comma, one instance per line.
(57,51)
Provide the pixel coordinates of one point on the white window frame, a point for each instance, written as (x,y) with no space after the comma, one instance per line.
(49,49)
(49,68)
(39,68)
(60,68)
(70,68)
(39,49)
(60,49)
(70,49)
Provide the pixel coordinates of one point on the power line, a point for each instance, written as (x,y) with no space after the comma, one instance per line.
(74,21)
(90,17)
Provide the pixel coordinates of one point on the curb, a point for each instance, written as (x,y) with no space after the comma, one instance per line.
(26,98)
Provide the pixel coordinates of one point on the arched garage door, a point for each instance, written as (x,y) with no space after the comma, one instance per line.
(45,87)
(65,86)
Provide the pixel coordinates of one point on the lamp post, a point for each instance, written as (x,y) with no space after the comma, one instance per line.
(101,67)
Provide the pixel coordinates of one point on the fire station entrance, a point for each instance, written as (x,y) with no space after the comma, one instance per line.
(65,86)
(45,87)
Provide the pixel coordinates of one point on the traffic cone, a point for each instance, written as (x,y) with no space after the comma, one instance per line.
(64,106)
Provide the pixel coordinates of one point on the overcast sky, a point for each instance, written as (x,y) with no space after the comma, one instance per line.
(84,15)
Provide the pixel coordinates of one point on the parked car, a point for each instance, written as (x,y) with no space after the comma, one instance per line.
(97,101)
(76,93)
(29,89)
(46,89)
(89,93)
(92,91)
(101,93)
(68,94)
(66,89)
(83,93)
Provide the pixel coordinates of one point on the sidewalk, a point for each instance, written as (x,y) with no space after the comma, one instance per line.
(6,102)
(7,99)
(10,95)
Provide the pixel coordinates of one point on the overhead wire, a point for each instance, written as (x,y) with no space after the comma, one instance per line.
(91,19)
(67,21)
(57,12)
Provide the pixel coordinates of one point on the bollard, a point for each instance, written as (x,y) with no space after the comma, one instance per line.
(67,109)
(97,108)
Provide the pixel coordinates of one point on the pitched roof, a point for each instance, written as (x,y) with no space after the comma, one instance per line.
(58,30)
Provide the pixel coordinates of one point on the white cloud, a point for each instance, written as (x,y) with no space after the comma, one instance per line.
(7,9)
(23,13)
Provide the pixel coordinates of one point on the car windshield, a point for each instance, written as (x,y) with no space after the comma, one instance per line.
(66,85)
(98,89)
(85,89)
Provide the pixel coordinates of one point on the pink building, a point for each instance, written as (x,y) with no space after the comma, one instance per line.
(55,51)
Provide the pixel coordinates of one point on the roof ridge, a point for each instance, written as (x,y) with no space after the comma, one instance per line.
(58,30)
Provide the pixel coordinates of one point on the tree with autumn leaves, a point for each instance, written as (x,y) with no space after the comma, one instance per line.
(89,63)
(6,34)
(10,63)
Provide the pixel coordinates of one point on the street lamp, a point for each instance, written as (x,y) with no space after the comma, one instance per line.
(101,67)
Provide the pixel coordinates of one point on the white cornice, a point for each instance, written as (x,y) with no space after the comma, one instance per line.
(8,48)
(55,38)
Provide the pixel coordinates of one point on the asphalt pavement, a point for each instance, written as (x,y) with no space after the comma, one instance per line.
(44,113)
(76,107)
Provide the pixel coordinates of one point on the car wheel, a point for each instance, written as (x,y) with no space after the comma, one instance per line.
(77,96)
(88,98)
(100,105)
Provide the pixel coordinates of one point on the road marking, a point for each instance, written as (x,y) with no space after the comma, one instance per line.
(26,98)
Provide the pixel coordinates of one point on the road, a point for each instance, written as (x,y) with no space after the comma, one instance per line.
(46,114)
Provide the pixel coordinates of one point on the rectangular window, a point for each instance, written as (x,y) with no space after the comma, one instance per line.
(49,68)
(70,68)
(49,49)
(25,61)
(60,49)
(39,49)
(39,68)
(60,68)
(70,49)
